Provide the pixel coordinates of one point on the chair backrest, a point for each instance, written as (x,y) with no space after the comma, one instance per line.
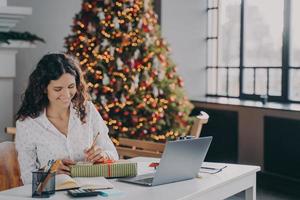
(201,119)
(9,166)
(11,131)
(129,148)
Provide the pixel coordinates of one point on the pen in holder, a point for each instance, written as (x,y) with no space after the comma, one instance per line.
(43,183)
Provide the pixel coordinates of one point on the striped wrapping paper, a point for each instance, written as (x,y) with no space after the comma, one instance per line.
(116,169)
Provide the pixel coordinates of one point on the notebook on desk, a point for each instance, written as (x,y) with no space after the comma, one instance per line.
(181,160)
(65,182)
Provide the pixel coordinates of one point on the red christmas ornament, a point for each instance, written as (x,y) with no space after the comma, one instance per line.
(143,84)
(113,81)
(152,129)
(105,89)
(154,104)
(145,28)
(170,75)
(108,17)
(126,69)
(180,82)
(185,123)
(105,116)
(137,64)
(154,73)
(134,119)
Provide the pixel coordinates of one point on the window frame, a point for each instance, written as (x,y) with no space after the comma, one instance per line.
(285,66)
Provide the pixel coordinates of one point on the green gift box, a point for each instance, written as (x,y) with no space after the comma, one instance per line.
(111,170)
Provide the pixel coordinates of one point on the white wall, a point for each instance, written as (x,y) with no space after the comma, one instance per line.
(183,22)
(51,20)
(184,25)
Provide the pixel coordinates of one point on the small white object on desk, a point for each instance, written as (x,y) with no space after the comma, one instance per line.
(211,170)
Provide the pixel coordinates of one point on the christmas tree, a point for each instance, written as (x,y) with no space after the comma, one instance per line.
(131,78)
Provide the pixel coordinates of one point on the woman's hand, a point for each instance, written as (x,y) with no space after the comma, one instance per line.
(95,155)
(63,167)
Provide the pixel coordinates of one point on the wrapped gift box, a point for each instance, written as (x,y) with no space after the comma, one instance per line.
(111,170)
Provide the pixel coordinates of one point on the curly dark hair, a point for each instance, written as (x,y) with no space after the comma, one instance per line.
(52,67)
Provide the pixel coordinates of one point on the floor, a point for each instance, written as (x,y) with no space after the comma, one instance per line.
(273,188)
(263,194)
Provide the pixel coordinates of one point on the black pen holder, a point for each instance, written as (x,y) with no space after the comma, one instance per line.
(42,184)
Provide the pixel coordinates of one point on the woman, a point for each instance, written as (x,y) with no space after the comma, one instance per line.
(56,121)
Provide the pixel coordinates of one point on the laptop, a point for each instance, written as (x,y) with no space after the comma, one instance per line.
(181,160)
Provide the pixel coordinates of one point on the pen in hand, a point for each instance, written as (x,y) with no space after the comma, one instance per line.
(94,141)
(92,145)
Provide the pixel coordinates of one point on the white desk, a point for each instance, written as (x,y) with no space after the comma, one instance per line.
(232,180)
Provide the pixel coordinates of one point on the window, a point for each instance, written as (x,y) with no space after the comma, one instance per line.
(253,49)
(294,71)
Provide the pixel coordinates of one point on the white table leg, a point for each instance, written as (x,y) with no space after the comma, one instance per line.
(250,193)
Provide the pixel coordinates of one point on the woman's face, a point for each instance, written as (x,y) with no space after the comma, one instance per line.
(61,91)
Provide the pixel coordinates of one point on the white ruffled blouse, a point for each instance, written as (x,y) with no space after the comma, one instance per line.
(38,140)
